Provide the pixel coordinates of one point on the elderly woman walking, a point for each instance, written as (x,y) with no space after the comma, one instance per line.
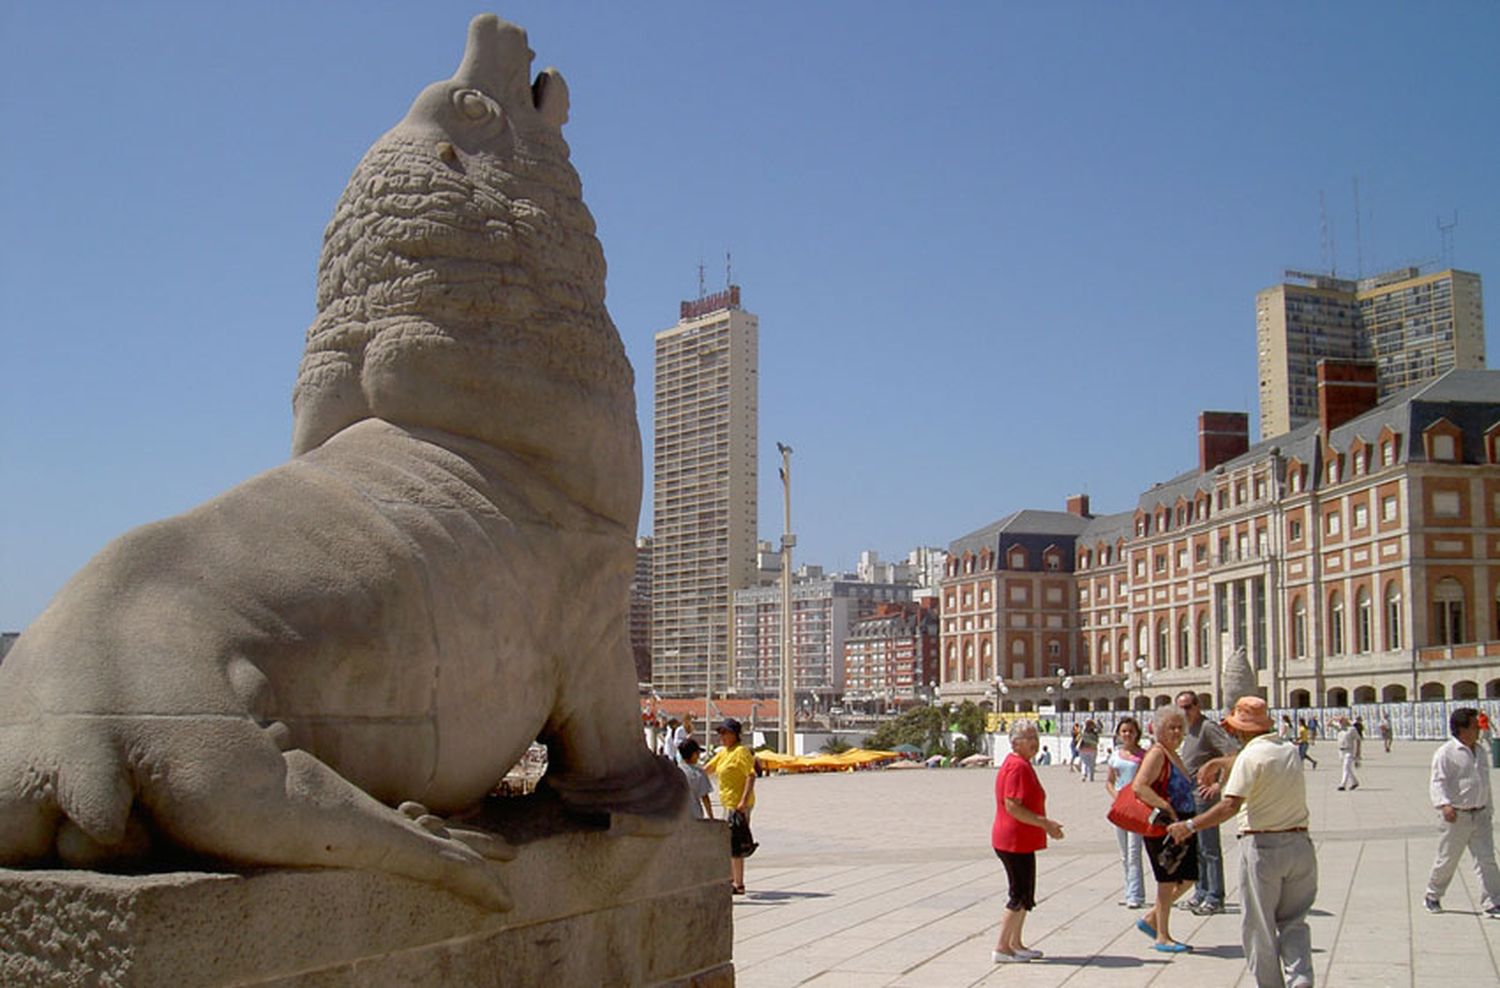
(1021,828)
(1123,763)
(1163,783)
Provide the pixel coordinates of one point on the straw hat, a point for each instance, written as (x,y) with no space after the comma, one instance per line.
(1250,715)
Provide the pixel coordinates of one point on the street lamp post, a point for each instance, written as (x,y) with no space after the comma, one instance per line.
(1143,678)
(788,690)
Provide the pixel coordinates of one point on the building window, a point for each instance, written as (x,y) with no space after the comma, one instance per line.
(1333,523)
(1018,593)
(1445,504)
(1260,489)
(1018,648)
(1448,612)
(1163,644)
(1140,567)
(1052,562)
(1299,628)
(1388,453)
(1443,447)
(1361,516)
(1336,624)
(1203,639)
(1182,562)
(1054,649)
(1200,553)
(1295,478)
(1184,643)
(1364,622)
(1160,562)
(1392,616)
(1294,530)
(1388,509)
(1333,469)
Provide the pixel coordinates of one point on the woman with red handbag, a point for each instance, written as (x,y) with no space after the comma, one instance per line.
(1164,784)
(1021,828)
(1123,763)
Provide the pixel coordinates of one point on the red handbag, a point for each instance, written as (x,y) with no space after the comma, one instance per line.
(1129,813)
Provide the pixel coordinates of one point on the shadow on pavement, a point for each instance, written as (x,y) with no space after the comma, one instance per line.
(779,897)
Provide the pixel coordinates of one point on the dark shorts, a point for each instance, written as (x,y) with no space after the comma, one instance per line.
(1020,869)
(741,843)
(1186,860)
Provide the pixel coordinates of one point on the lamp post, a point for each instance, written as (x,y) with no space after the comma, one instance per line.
(788,690)
(1143,678)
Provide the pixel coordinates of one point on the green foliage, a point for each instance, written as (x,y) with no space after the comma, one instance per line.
(834,746)
(963,748)
(968,720)
(922,727)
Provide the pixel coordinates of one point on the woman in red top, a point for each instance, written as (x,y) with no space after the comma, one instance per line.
(1021,829)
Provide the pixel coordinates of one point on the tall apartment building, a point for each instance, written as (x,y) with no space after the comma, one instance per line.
(1413,326)
(704,498)
(824,608)
(891,657)
(640,610)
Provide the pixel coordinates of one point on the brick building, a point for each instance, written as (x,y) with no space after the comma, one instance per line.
(1355,558)
(891,657)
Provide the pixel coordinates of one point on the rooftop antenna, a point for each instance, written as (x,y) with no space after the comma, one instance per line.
(1330,251)
(702,293)
(1445,231)
(728,272)
(1359,244)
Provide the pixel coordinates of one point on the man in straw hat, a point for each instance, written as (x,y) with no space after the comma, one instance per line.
(1278,869)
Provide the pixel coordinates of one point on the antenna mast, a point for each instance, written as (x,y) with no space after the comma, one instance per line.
(728,272)
(1445,232)
(1359,243)
(1330,250)
(702,292)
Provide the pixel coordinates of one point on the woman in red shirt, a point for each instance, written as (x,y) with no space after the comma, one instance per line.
(1021,829)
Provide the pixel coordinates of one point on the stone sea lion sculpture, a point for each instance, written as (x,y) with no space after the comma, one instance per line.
(437,578)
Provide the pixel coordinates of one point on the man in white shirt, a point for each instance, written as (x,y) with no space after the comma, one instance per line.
(1461,794)
(1278,868)
(1349,753)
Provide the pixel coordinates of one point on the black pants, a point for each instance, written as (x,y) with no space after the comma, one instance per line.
(1020,868)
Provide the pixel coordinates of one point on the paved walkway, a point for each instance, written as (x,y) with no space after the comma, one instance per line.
(886,878)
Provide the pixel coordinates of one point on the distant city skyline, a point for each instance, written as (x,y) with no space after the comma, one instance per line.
(1001,253)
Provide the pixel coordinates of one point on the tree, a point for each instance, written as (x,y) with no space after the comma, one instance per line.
(834,746)
(921,727)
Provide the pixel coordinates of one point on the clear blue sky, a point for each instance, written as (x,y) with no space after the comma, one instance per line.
(1000,252)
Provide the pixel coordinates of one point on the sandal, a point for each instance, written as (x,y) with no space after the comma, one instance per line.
(736,889)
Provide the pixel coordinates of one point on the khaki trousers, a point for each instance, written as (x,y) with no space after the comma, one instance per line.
(1278,883)
(1474,830)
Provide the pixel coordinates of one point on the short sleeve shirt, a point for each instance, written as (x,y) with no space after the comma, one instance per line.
(1268,777)
(698,787)
(1017,780)
(735,767)
(1204,742)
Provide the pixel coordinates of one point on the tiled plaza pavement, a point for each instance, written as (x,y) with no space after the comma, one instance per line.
(886,878)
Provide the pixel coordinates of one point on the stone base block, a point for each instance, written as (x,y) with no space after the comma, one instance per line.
(591,909)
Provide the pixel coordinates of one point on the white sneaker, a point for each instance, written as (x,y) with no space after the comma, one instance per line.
(1028,954)
(1003,958)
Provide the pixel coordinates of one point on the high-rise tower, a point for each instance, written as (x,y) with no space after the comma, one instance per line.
(1413,326)
(704,494)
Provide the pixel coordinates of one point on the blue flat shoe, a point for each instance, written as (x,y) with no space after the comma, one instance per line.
(1173,948)
(1146,928)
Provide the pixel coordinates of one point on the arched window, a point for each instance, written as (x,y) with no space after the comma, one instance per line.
(1163,644)
(1448,612)
(1336,623)
(1299,628)
(986,660)
(1204,652)
(968,661)
(1392,616)
(1184,642)
(1364,622)
(1142,641)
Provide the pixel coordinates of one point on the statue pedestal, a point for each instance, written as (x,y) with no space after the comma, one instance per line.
(591,909)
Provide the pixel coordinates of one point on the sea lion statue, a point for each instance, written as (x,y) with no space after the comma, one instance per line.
(307,669)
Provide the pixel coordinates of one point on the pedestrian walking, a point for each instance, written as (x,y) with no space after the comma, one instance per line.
(1461,795)
(1304,739)
(1350,748)
(1088,749)
(1021,829)
(1203,742)
(1385,733)
(1119,771)
(1278,867)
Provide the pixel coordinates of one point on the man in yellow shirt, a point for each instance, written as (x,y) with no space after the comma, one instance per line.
(734,766)
(1278,868)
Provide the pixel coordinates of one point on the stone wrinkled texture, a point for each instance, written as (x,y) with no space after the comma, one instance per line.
(1237,678)
(437,578)
(597,910)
